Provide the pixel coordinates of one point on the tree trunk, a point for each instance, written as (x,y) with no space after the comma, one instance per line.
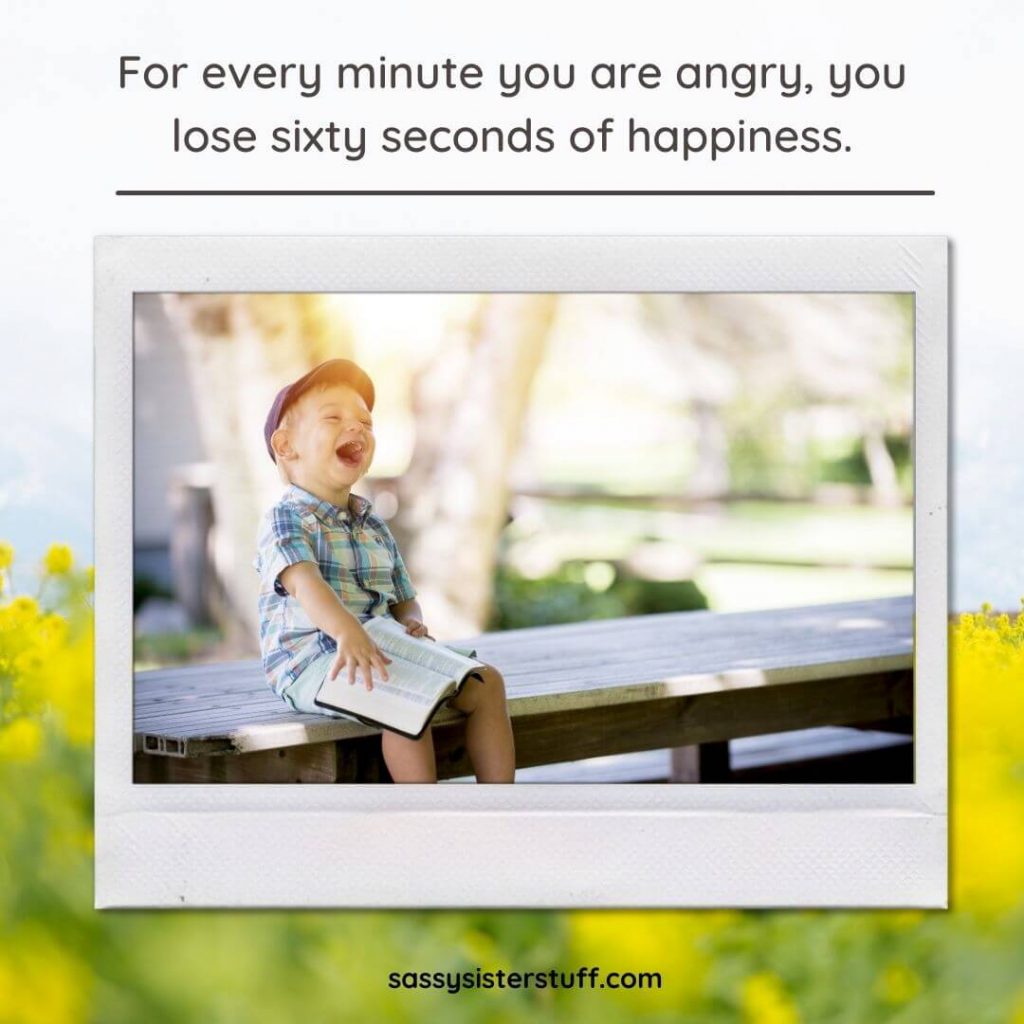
(240,349)
(469,407)
(710,476)
(884,481)
(690,329)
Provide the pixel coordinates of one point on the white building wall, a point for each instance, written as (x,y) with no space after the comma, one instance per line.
(166,429)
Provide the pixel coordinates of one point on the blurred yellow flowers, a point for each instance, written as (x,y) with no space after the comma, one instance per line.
(46,660)
(987,674)
(58,560)
(765,1001)
(45,824)
(897,984)
(60,961)
(668,941)
(21,740)
(40,982)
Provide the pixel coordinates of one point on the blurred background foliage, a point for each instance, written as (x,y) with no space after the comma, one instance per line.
(540,458)
(60,961)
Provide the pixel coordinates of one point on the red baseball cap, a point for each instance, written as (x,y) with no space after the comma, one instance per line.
(334,371)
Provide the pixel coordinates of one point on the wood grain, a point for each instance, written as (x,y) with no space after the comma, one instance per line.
(552,672)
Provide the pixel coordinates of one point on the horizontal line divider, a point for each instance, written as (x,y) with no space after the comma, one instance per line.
(524,192)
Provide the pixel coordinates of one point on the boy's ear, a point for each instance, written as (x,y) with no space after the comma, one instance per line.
(282,445)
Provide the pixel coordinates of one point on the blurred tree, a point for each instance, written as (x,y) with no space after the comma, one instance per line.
(745,359)
(240,350)
(469,402)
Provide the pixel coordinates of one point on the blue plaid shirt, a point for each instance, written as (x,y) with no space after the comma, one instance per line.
(355,553)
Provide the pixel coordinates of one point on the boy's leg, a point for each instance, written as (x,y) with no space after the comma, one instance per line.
(488,729)
(409,760)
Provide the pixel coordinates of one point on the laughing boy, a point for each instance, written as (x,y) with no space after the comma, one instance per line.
(328,563)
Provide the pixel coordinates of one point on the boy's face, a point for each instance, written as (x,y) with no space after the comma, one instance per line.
(327,443)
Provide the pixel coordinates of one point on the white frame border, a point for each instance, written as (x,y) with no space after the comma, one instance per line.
(516,846)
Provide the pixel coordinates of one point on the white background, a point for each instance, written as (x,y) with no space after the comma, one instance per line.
(72,138)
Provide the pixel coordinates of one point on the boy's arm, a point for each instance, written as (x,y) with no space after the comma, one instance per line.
(410,615)
(406,611)
(356,651)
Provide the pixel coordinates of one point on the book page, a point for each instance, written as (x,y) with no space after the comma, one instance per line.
(411,682)
(404,700)
(392,638)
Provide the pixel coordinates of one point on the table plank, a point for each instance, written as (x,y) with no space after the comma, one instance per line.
(683,721)
(228,706)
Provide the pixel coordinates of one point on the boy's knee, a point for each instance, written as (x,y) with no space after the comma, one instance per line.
(496,686)
(475,692)
(493,679)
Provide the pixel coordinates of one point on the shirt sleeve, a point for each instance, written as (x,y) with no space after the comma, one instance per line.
(283,542)
(404,590)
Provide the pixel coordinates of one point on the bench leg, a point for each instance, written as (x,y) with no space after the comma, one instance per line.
(702,762)
(361,760)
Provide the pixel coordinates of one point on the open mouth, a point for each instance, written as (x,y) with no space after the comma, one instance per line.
(350,453)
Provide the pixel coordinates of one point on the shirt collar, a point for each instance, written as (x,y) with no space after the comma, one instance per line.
(358,507)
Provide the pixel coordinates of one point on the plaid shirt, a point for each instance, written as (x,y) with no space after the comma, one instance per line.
(356,555)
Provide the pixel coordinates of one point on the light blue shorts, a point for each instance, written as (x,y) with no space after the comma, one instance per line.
(299,695)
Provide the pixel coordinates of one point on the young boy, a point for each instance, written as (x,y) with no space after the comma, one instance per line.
(327,564)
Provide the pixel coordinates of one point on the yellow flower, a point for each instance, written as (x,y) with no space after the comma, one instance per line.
(21,741)
(897,984)
(901,920)
(58,559)
(765,1000)
(1017,1013)
(6,555)
(667,941)
(40,982)
(987,702)
(53,629)
(69,687)
(90,578)
(23,608)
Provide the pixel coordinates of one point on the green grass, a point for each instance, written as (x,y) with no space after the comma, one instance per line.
(159,649)
(857,535)
(771,532)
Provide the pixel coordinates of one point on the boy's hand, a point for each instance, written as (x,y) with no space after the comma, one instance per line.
(358,653)
(409,614)
(416,628)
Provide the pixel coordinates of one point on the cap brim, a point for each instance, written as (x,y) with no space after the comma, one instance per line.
(339,371)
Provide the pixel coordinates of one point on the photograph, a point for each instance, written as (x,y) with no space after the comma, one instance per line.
(531,537)
(512,515)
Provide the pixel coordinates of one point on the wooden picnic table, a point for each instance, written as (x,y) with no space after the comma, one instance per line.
(689,681)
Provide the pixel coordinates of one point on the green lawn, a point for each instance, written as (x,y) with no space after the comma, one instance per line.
(745,555)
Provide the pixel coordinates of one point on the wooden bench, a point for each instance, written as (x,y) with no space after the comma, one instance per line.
(685,681)
(828,753)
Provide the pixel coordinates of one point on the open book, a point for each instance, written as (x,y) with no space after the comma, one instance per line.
(422,675)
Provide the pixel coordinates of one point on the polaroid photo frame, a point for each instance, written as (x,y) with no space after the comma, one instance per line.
(524,845)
